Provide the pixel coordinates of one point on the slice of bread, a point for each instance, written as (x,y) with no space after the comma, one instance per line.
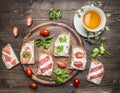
(27,53)
(78,58)
(9,57)
(96,72)
(45,65)
(62,45)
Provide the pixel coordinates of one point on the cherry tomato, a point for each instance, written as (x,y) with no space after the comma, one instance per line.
(29,20)
(79,55)
(44,32)
(33,85)
(28,71)
(61,64)
(15,31)
(76,82)
(78,64)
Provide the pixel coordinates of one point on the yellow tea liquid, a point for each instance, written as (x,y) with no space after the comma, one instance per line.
(91,19)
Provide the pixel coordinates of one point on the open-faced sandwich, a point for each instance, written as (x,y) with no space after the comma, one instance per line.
(27,53)
(78,58)
(9,57)
(62,45)
(96,72)
(45,65)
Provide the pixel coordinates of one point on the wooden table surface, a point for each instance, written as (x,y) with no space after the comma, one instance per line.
(14,12)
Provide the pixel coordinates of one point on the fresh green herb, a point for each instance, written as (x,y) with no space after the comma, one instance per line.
(55,14)
(99,52)
(94,39)
(78,12)
(59,48)
(107,28)
(95,3)
(45,42)
(63,39)
(39,42)
(26,54)
(61,75)
(108,14)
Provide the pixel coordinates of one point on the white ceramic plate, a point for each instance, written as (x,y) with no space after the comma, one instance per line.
(78,25)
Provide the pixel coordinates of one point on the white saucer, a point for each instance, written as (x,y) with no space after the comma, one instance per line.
(78,25)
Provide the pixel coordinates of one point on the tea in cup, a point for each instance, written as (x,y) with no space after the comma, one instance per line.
(93,19)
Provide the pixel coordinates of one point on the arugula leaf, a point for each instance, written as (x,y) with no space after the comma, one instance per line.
(99,52)
(63,39)
(45,42)
(46,46)
(95,52)
(39,42)
(61,75)
(59,80)
(59,48)
(26,54)
(55,13)
(48,40)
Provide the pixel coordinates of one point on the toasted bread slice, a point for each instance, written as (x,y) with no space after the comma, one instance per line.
(62,45)
(45,65)
(96,72)
(9,57)
(78,58)
(27,53)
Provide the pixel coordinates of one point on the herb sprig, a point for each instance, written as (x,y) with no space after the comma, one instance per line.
(45,42)
(55,13)
(97,52)
(61,75)
(26,54)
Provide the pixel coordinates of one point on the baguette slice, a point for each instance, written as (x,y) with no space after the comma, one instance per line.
(27,53)
(79,58)
(62,45)
(45,65)
(96,72)
(9,57)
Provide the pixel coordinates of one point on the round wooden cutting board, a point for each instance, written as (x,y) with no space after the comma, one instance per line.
(55,29)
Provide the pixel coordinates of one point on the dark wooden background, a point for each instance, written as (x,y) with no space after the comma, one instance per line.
(14,12)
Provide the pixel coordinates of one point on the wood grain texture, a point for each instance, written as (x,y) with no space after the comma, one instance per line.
(14,12)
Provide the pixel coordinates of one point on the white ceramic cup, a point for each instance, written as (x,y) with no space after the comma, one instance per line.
(101,14)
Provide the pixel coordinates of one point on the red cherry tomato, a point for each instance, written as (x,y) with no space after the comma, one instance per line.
(33,85)
(76,82)
(79,55)
(28,71)
(44,32)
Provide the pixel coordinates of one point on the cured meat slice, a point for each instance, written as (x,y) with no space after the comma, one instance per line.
(9,57)
(27,53)
(45,65)
(49,66)
(6,50)
(62,45)
(42,61)
(79,58)
(6,58)
(96,72)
